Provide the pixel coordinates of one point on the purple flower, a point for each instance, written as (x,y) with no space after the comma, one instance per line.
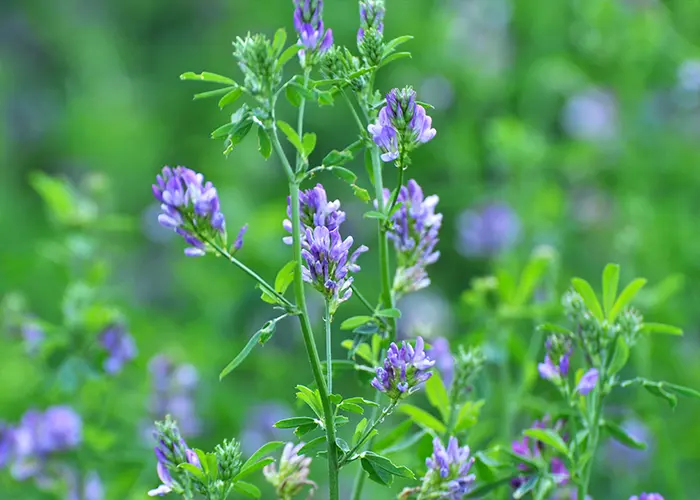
(588,382)
(32,334)
(171,450)
(308,22)
(173,388)
(90,489)
(315,210)
(591,115)
(647,496)
(120,347)
(415,227)
(190,207)
(444,361)
(405,370)
(238,244)
(371,17)
(6,441)
(401,126)
(532,449)
(557,360)
(328,263)
(448,474)
(259,426)
(488,231)
(293,473)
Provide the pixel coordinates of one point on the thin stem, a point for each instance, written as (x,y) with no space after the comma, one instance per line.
(327,318)
(505,383)
(264,284)
(452,418)
(360,125)
(395,195)
(300,119)
(366,434)
(306,329)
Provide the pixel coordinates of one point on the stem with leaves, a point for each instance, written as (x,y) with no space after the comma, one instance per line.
(593,433)
(368,431)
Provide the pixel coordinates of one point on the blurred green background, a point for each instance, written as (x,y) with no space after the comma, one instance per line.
(582,116)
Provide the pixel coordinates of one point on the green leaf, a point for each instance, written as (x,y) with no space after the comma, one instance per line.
(212,466)
(484,488)
(290,52)
(394,57)
(661,328)
(342,444)
(530,277)
(663,390)
(309,143)
(359,430)
(391,45)
(207,77)
(324,97)
(469,415)
(388,439)
(551,327)
(362,401)
(293,95)
(264,144)
(194,470)
(584,289)
(620,357)
(549,437)
(265,449)
(384,463)
(279,40)
(230,97)
(373,214)
(267,296)
(247,489)
(626,297)
(202,456)
(313,447)
(611,278)
(336,157)
(389,313)
(621,435)
(254,467)
(354,322)
(238,135)
(360,72)
(285,277)
(341,420)
(305,429)
(437,395)
(681,390)
(361,350)
(344,174)
(526,487)
(242,355)
(290,423)
(351,407)
(213,93)
(361,193)
(57,194)
(423,418)
(291,134)
(659,391)
(311,398)
(377,474)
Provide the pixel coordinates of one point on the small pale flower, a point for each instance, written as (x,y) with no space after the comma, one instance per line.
(404,371)
(588,382)
(448,474)
(313,37)
(557,360)
(120,347)
(292,476)
(647,496)
(315,210)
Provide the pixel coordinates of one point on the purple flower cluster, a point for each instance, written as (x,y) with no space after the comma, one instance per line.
(557,360)
(401,126)
(190,207)
(414,231)
(588,382)
(27,447)
(308,22)
(371,17)
(404,371)
(488,231)
(171,450)
(168,483)
(647,496)
(531,448)
(32,334)
(120,347)
(91,487)
(327,258)
(448,474)
(173,388)
(293,472)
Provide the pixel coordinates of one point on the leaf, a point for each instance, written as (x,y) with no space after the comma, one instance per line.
(423,418)
(291,134)
(230,97)
(620,357)
(526,487)
(354,322)
(212,466)
(377,474)
(293,95)
(661,328)
(611,278)
(344,174)
(267,296)
(254,467)
(621,435)
(384,463)
(279,40)
(437,395)
(361,193)
(287,55)
(584,289)
(351,407)
(373,214)
(238,135)
(314,446)
(468,415)
(393,57)
(265,449)
(530,277)
(247,489)
(391,45)
(264,144)
(324,97)
(342,444)
(213,93)
(549,437)
(290,423)
(550,327)
(626,297)
(285,277)
(311,398)
(241,355)
(682,390)
(481,490)
(57,194)
(361,350)
(309,143)
(194,470)
(207,77)
(360,72)
(341,420)
(389,313)
(388,439)
(361,401)
(359,430)
(336,157)
(659,391)
(204,463)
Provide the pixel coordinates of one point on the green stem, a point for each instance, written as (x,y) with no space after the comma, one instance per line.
(366,434)
(300,119)
(360,125)
(395,195)
(264,284)
(327,318)
(306,329)
(594,433)
(505,384)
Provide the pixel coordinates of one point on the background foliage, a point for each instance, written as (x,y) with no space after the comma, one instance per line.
(583,118)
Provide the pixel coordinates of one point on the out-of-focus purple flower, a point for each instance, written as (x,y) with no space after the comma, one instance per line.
(259,426)
(90,489)
(487,231)
(293,473)
(404,371)
(308,22)
(190,207)
(173,389)
(444,361)
(689,75)
(448,474)
(620,456)
(371,17)
(425,313)
(120,347)
(6,440)
(532,449)
(414,231)
(401,126)
(588,382)
(329,263)
(591,116)
(315,210)
(93,488)
(647,496)
(33,335)
(557,360)
(239,238)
